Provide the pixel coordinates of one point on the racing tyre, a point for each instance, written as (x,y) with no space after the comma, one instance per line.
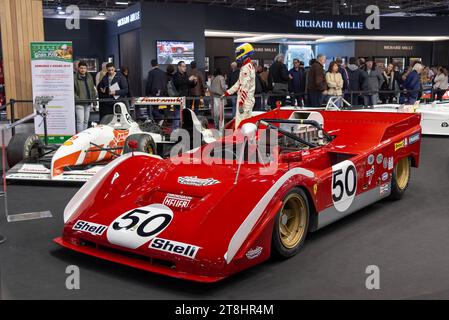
(23,146)
(291,225)
(145,143)
(400,179)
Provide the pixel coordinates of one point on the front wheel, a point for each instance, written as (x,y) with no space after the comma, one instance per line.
(400,179)
(145,143)
(24,146)
(291,224)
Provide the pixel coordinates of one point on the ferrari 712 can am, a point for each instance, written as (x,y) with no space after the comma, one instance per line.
(236,202)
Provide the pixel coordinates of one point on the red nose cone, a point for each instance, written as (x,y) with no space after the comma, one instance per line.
(132,144)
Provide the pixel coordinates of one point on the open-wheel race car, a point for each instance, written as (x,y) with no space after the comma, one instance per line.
(87,152)
(236,202)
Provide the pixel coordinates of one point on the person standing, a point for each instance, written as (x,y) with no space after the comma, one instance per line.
(316,81)
(390,84)
(371,82)
(353,72)
(412,84)
(104,89)
(198,91)
(334,82)
(297,82)
(440,83)
(183,83)
(231,79)
(84,90)
(99,76)
(156,86)
(217,90)
(343,72)
(278,79)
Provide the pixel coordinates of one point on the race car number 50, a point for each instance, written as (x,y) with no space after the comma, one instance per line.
(138,226)
(344,184)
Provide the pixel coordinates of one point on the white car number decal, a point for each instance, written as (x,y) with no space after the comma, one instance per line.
(344,184)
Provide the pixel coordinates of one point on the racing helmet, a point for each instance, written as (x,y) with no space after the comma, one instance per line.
(243,51)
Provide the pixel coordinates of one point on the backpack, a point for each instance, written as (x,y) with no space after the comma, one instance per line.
(171,89)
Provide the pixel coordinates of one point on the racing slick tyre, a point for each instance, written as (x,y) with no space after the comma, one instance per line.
(291,225)
(145,143)
(400,179)
(23,146)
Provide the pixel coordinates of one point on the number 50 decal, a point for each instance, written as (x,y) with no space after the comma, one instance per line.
(138,226)
(344,184)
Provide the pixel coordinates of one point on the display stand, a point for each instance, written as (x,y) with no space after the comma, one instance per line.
(332,103)
(40,110)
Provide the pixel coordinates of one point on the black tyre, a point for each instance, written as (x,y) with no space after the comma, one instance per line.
(145,143)
(400,179)
(23,146)
(107,119)
(291,225)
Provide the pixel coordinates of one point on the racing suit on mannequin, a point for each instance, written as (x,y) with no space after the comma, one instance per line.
(245,88)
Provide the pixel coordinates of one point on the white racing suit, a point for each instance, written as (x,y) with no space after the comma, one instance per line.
(245,88)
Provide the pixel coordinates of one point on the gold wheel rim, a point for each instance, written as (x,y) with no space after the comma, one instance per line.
(293,220)
(402,173)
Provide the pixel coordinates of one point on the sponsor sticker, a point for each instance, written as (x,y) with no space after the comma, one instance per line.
(379,158)
(414,138)
(390,163)
(399,145)
(177,201)
(89,227)
(315,188)
(197,182)
(174,247)
(370,172)
(370,159)
(384,189)
(385,163)
(385,176)
(254,253)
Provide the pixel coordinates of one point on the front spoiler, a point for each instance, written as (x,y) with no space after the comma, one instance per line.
(136,263)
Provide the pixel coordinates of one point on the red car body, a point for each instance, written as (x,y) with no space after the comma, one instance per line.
(192,221)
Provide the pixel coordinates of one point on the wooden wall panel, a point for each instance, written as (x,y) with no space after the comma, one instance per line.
(21,22)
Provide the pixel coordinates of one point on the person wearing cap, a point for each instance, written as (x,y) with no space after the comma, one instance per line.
(371,82)
(245,86)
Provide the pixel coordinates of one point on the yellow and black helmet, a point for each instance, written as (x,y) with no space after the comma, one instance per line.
(243,51)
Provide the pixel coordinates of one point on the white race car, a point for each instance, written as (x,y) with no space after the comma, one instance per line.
(84,154)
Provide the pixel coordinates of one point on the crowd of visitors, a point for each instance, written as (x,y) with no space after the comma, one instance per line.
(359,81)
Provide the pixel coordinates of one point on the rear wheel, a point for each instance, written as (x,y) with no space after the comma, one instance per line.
(400,179)
(145,143)
(23,146)
(291,224)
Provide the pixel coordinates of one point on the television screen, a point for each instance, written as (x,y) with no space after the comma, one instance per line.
(171,52)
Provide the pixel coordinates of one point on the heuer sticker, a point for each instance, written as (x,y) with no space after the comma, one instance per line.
(385,164)
(175,247)
(384,189)
(399,145)
(195,181)
(414,138)
(390,163)
(89,227)
(385,176)
(370,159)
(177,201)
(254,253)
(379,158)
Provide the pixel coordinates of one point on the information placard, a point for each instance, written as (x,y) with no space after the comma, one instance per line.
(52,75)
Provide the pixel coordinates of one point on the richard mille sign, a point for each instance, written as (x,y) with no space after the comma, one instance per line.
(328,24)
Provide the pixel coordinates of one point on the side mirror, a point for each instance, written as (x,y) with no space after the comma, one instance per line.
(290,157)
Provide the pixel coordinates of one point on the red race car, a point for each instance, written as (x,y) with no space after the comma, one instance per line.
(236,202)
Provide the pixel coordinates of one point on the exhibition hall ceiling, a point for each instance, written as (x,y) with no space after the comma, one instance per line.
(346,7)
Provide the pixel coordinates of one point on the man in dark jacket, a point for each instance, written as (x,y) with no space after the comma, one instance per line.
(231,79)
(354,80)
(84,90)
(316,81)
(156,87)
(413,84)
(343,72)
(183,83)
(110,80)
(297,82)
(371,82)
(278,79)
(198,91)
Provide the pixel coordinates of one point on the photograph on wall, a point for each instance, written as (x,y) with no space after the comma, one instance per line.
(171,52)
(399,61)
(92,63)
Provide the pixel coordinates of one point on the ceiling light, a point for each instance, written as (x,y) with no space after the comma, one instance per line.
(59,8)
(61,12)
(101,13)
(252,9)
(283,1)
(394,7)
(122,3)
(304,11)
